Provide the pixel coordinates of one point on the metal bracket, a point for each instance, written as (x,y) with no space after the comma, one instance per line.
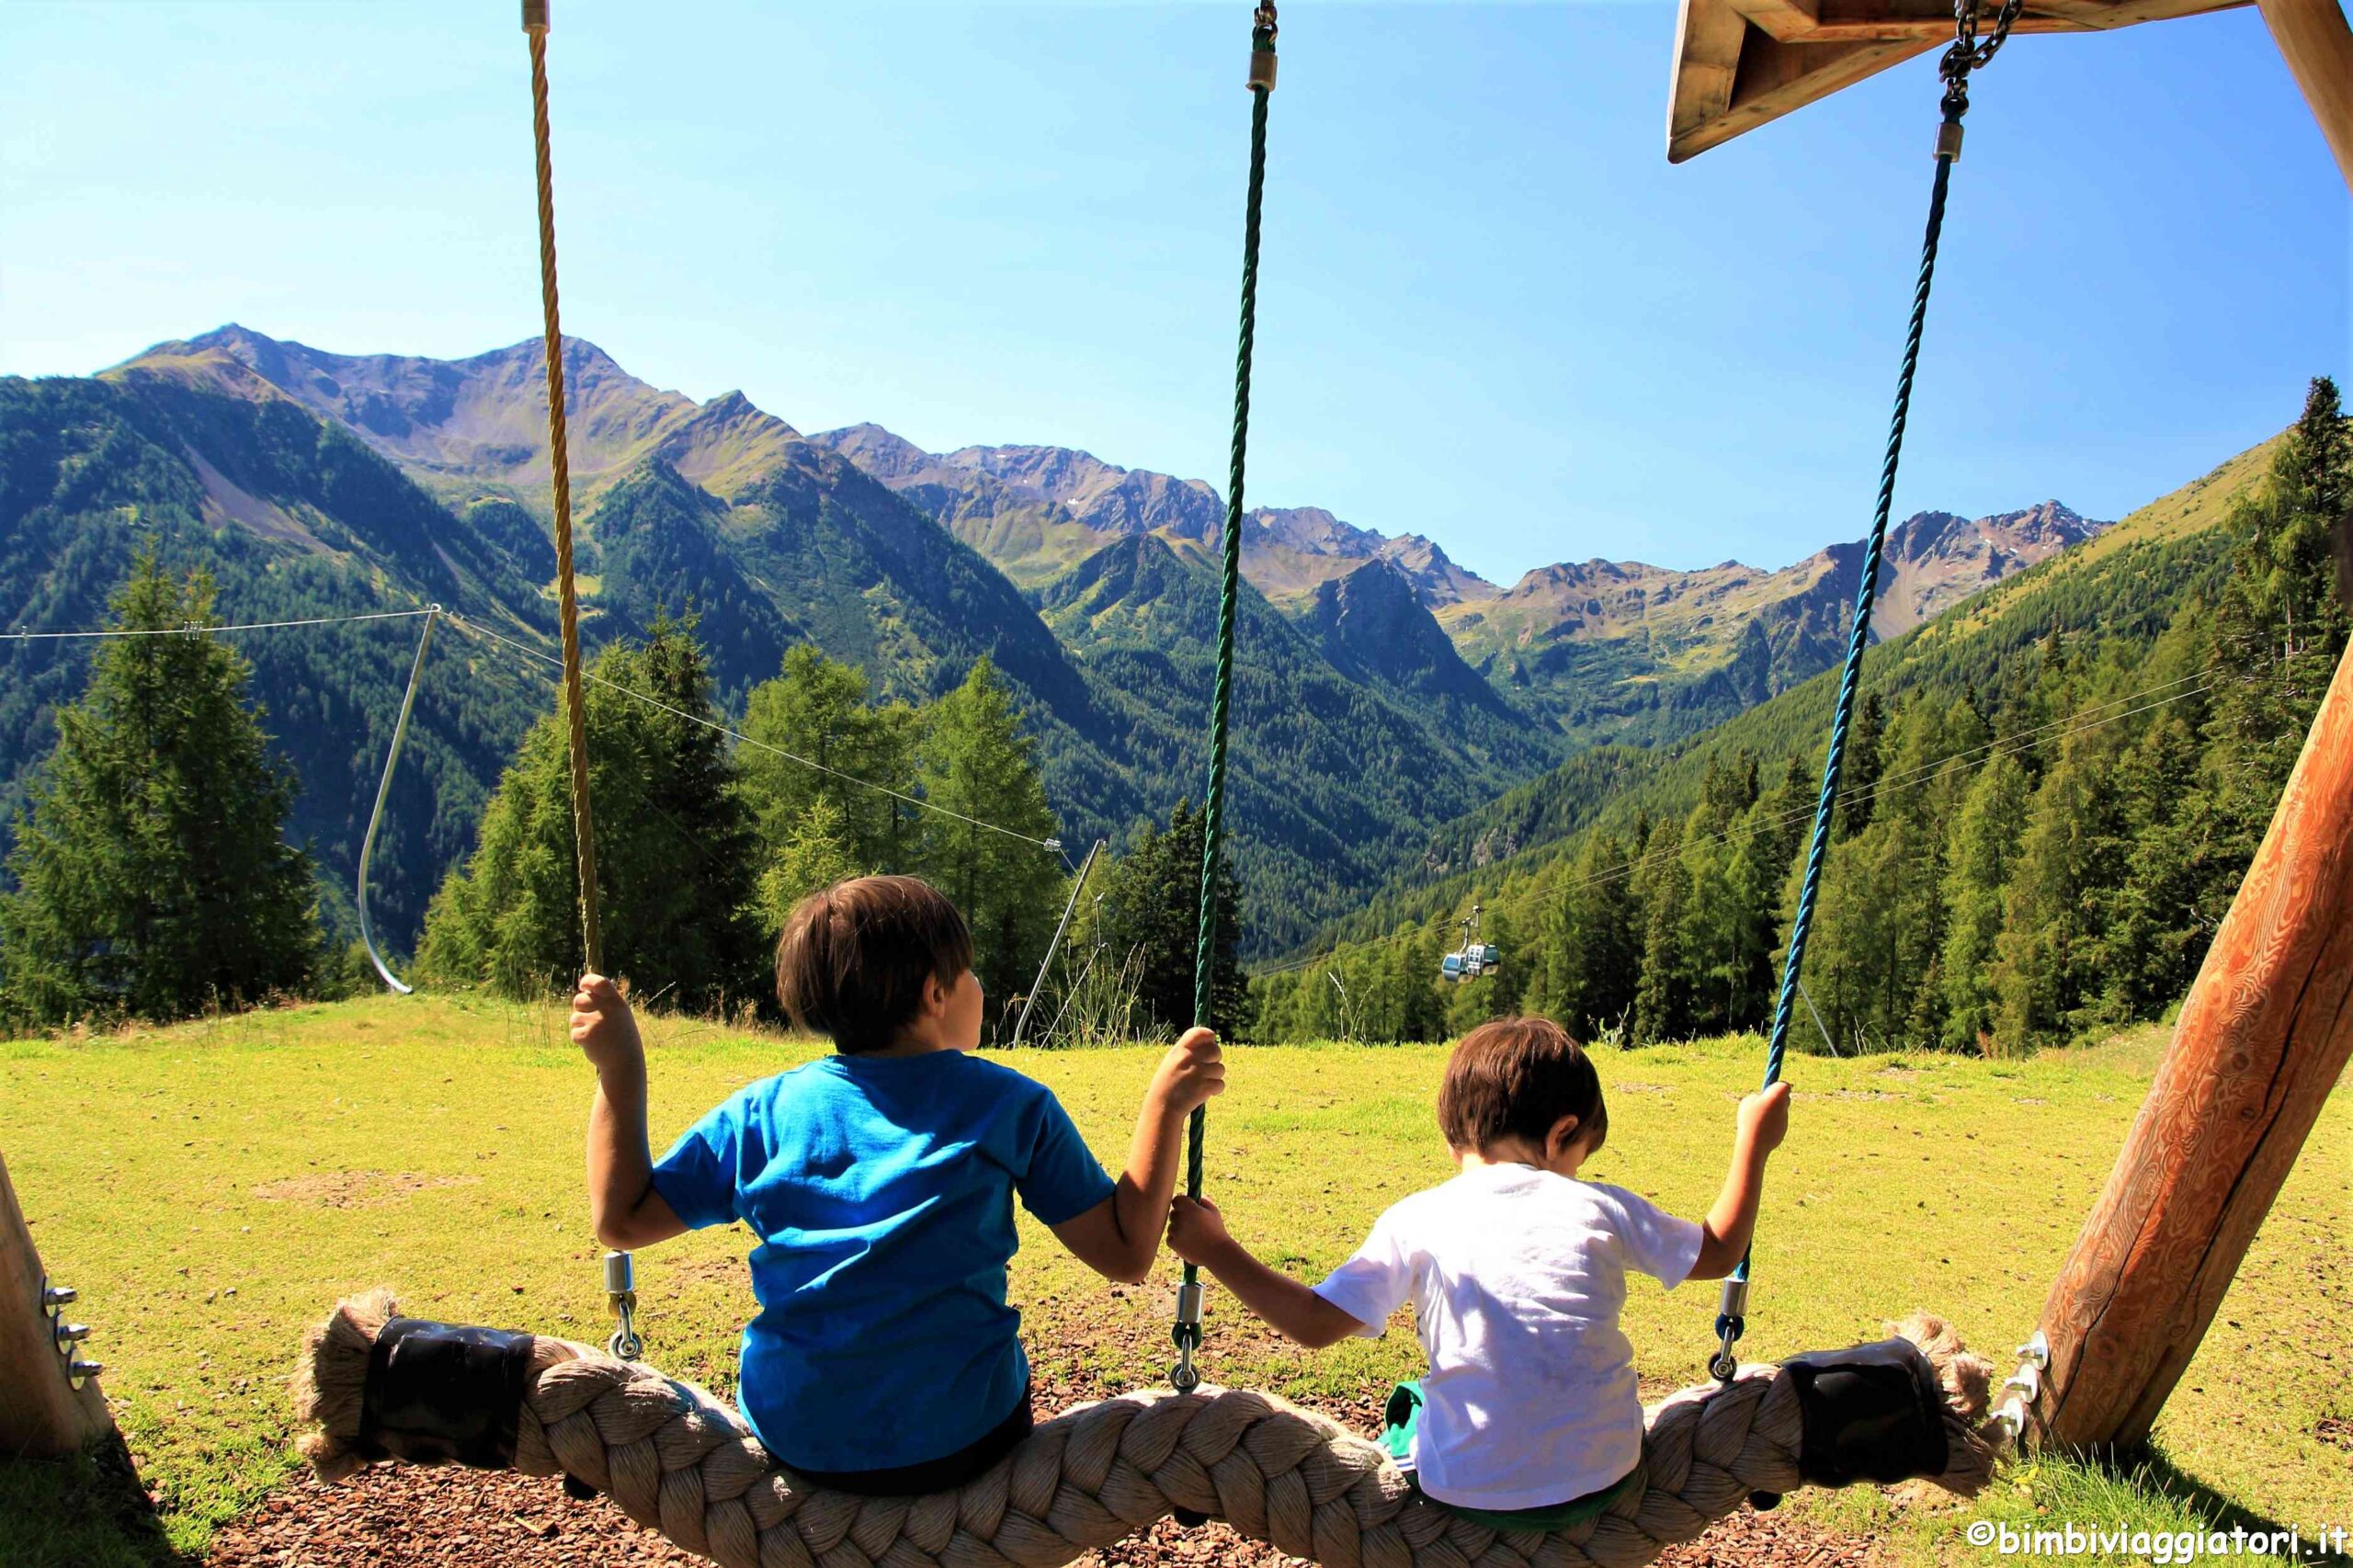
(2037,1351)
(65,1336)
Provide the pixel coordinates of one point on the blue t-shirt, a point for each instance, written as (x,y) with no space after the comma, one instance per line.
(881,1192)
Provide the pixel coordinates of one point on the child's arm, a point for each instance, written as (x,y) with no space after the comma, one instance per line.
(622,1204)
(1120,1237)
(1763,1121)
(1197,1234)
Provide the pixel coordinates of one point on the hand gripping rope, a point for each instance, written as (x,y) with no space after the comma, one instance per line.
(1968,53)
(1187,1333)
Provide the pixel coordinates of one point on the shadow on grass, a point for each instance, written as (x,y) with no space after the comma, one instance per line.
(2165,1476)
(86,1510)
(2150,1470)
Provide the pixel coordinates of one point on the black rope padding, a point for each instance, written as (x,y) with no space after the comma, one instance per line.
(438,1393)
(1875,1413)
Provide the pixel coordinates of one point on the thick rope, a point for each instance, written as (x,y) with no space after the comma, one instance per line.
(679,1462)
(576,711)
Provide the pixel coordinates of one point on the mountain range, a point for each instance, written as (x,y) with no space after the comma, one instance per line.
(1384,689)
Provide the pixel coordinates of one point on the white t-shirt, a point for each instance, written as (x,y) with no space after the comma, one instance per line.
(1516,1277)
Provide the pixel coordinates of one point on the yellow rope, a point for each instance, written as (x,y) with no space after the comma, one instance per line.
(535,25)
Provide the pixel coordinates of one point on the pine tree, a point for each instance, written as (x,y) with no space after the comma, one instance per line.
(1770,836)
(676,862)
(1151,907)
(1984,840)
(2046,958)
(152,879)
(977,767)
(1663,992)
(1858,774)
(2279,623)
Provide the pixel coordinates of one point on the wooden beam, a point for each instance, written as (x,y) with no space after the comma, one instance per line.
(2314,42)
(1782,19)
(1767,82)
(41,1413)
(2262,1038)
(1775,77)
(1708,37)
(1865,21)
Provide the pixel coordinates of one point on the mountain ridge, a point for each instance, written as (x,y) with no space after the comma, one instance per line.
(1383,689)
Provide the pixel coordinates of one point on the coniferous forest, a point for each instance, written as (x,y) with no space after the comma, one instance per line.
(2048,805)
(2049,796)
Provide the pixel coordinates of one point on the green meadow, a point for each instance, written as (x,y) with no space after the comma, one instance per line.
(211,1188)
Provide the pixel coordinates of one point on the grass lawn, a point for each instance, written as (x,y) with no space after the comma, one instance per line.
(211,1188)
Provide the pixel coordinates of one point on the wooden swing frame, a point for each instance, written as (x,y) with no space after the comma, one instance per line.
(2267,1027)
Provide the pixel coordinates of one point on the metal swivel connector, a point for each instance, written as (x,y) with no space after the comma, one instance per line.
(1732,1322)
(620,1294)
(1186,1336)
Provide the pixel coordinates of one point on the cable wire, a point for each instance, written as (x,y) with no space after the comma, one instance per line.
(591,678)
(193,629)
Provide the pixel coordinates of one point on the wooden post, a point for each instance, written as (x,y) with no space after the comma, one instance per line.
(41,1413)
(2262,1038)
(2318,47)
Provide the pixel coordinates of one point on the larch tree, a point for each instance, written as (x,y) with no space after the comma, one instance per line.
(978,845)
(675,867)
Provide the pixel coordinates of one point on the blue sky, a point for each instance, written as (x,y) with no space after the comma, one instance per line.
(1491,312)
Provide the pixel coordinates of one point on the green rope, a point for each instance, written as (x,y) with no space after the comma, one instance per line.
(1967,54)
(1188,1333)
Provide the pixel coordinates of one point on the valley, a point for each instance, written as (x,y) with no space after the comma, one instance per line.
(1386,691)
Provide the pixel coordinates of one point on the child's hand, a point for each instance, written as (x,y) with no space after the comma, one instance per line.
(1193,1070)
(602,1025)
(1195,1230)
(1765,1118)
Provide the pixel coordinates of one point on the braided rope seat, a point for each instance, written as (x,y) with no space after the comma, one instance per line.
(680,1461)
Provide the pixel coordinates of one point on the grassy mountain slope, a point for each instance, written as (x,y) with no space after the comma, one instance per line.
(2127,584)
(294,518)
(1360,728)
(1330,774)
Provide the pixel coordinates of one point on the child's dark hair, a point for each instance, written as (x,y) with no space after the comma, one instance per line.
(1515,1078)
(854,957)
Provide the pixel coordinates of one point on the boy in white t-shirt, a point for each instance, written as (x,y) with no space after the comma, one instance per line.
(1529,1415)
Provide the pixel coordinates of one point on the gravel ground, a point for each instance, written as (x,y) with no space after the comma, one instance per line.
(393,1517)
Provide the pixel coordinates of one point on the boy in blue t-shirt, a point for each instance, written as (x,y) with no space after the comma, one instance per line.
(879,1183)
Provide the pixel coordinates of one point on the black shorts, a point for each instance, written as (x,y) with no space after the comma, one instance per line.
(931,1475)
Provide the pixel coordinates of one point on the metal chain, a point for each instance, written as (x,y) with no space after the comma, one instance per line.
(1968,52)
(1185,1334)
